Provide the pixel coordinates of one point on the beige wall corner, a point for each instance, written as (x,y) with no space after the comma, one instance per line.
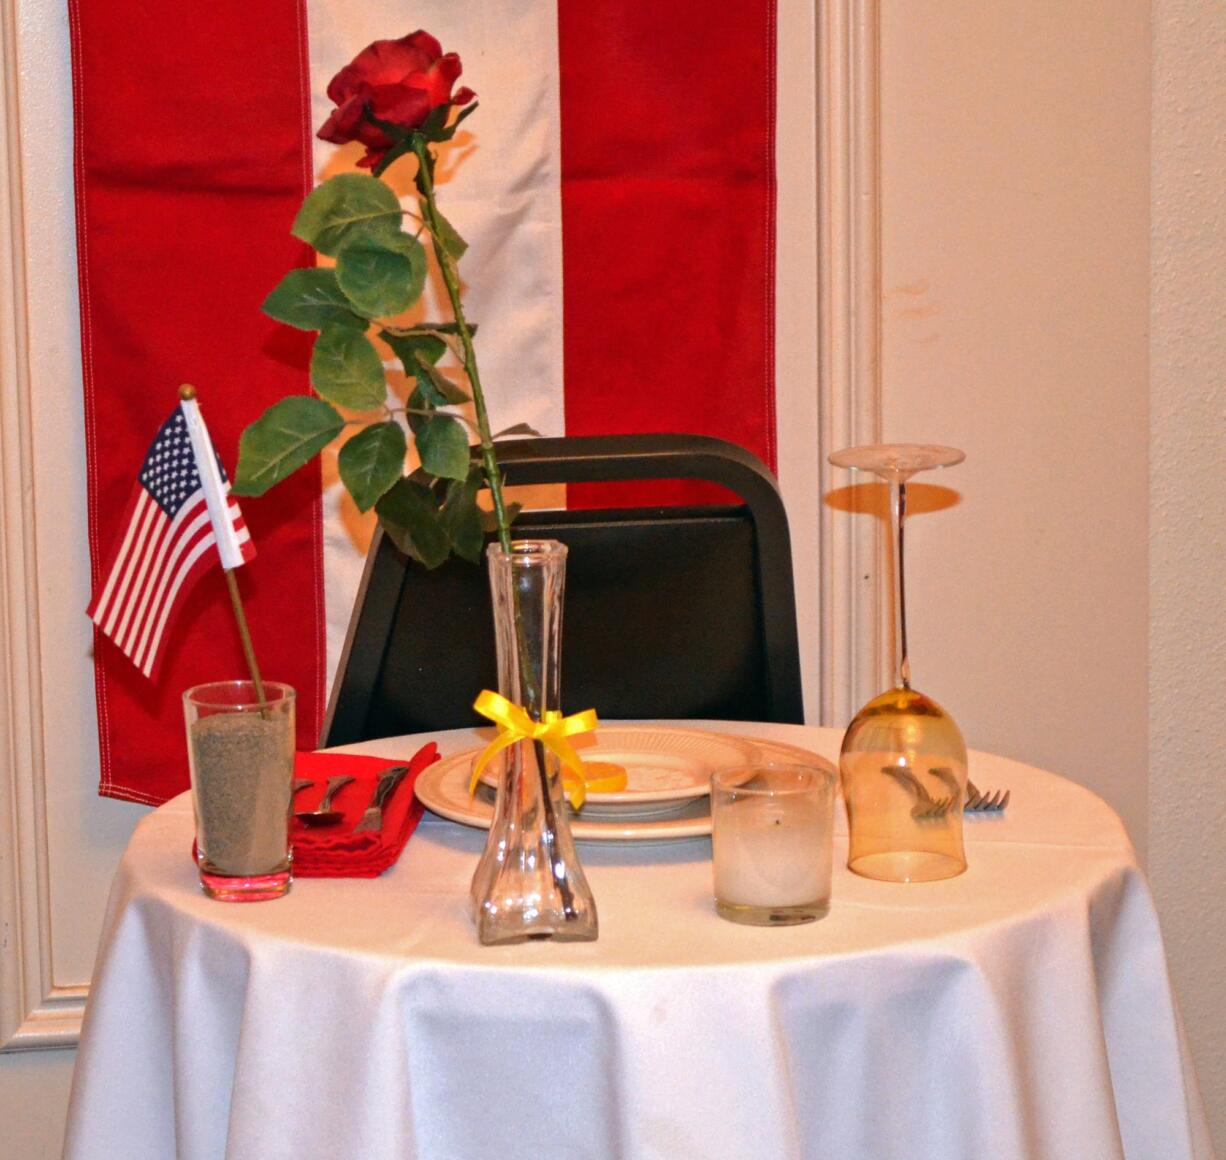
(1015,307)
(1187,545)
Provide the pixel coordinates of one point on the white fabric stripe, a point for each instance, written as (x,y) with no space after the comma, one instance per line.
(242,534)
(499,184)
(147,512)
(202,546)
(213,486)
(195,518)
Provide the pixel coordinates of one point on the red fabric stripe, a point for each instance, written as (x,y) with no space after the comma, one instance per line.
(192,155)
(668,115)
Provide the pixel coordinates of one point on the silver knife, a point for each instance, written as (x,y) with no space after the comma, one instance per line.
(389,779)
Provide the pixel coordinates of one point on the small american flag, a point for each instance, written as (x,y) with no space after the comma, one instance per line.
(179,508)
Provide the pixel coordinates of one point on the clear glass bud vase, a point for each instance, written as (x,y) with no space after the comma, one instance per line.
(529,883)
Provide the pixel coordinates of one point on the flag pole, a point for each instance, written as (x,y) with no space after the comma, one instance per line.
(187,391)
(236,603)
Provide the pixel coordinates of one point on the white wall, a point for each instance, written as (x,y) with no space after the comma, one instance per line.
(1015,171)
(1187,545)
(1067,607)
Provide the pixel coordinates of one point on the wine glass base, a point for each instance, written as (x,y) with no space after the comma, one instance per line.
(907,866)
(897,461)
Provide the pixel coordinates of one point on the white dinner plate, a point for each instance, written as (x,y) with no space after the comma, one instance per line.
(443,789)
(664,767)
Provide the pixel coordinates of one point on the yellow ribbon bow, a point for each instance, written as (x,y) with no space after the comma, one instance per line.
(514,724)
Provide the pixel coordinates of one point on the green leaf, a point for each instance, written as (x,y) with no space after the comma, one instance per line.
(420,400)
(347,370)
(462,518)
(489,520)
(281,440)
(447,390)
(371,462)
(442,444)
(310,299)
(448,236)
(406,348)
(346,208)
(410,515)
(518,429)
(382,276)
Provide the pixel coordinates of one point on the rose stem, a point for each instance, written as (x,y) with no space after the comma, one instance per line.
(493,475)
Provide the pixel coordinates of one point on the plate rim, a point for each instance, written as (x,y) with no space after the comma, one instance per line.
(642,830)
(646,797)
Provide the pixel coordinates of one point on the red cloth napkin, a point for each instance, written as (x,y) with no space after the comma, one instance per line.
(336,851)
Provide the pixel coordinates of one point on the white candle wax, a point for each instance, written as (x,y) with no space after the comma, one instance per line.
(772,851)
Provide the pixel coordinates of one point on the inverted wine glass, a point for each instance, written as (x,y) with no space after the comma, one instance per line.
(903,761)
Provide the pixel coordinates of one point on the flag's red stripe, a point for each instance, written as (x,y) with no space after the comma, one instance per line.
(199,558)
(668,219)
(101,594)
(136,536)
(192,156)
(146,566)
(190,524)
(196,531)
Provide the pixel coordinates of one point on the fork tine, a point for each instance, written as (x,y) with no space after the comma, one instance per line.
(992,802)
(937,808)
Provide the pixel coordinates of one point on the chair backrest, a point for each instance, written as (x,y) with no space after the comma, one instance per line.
(669,612)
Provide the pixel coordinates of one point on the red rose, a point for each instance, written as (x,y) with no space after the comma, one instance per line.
(401,81)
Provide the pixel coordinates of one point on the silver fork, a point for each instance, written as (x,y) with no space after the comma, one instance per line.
(980,803)
(926,806)
(372,819)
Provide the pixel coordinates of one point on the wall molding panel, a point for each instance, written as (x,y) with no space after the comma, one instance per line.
(34,1013)
(855,610)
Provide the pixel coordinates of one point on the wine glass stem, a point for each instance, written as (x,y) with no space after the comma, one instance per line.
(898,517)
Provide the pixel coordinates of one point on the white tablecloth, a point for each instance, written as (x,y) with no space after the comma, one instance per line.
(1022,1010)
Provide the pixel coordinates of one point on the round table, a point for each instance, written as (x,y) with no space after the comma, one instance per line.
(1022,1010)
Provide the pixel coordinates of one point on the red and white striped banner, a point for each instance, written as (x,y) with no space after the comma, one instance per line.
(616,187)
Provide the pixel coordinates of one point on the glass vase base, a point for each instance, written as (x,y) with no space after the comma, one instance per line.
(907,866)
(583,933)
(246,888)
(771,915)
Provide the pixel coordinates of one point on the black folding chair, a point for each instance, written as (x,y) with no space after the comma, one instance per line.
(670,612)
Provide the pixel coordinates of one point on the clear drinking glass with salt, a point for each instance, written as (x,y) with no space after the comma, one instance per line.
(241,752)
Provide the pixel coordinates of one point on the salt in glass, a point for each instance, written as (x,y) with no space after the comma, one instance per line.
(241,752)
